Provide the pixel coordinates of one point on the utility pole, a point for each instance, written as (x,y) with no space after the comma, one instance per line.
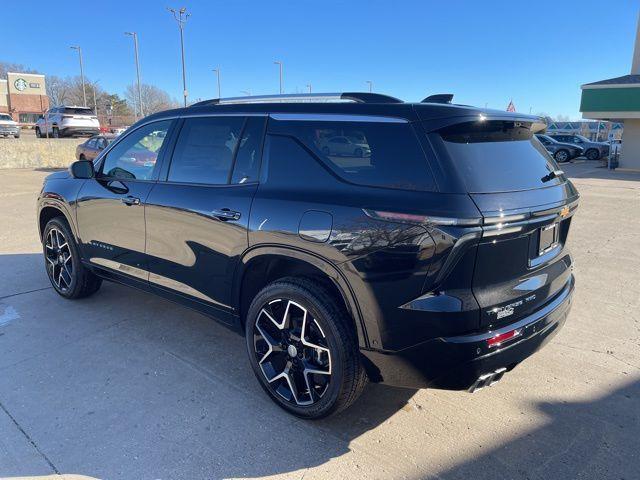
(280,64)
(135,46)
(217,72)
(84,92)
(95,103)
(370,85)
(181,17)
(309,87)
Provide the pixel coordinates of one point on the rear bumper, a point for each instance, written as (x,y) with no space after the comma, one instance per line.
(455,363)
(79,130)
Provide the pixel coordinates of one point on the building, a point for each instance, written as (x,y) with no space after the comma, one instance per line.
(618,99)
(24,96)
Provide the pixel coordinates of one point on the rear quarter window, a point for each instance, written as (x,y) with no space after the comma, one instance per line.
(498,156)
(377,154)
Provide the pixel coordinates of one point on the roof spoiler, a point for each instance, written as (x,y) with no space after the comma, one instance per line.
(439,98)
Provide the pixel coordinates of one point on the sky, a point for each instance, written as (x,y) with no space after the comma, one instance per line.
(484,51)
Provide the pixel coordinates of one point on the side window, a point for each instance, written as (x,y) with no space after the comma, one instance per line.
(247,164)
(92,143)
(380,154)
(205,149)
(136,155)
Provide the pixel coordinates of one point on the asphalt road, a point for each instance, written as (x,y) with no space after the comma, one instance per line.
(125,385)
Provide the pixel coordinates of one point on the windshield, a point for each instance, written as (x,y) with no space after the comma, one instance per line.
(498,156)
(5,117)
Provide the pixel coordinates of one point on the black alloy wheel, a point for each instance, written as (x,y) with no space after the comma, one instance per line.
(302,350)
(66,273)
(592,154)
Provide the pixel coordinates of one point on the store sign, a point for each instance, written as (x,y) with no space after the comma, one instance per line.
(20,84)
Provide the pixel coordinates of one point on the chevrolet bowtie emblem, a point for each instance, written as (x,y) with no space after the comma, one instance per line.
(564,212)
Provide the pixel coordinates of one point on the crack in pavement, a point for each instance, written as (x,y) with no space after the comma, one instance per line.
(24,293)
(29,439)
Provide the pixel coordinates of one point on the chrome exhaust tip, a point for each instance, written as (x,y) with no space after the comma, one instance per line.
(487,380)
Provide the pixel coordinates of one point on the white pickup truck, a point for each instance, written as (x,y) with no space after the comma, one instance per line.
(8,126)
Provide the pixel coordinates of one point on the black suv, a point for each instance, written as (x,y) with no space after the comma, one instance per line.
(562,152)
(430,253)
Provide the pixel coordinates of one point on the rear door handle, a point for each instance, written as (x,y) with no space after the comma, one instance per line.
(226,214)
(130,200)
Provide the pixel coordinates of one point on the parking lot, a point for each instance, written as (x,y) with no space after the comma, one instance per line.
(125,385)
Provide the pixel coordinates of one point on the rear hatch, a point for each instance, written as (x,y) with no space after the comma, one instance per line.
(526,202)
(79,117)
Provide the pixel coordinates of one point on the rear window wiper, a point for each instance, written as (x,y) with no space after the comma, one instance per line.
(552,175)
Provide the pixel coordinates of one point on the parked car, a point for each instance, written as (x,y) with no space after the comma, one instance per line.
(67,121)
(8,127)
(440,260)
(90,149)
(592,150)
(562,152)
(347,146)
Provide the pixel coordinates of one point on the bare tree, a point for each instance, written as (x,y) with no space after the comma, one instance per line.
(154,99)
(14,67)
(57,90)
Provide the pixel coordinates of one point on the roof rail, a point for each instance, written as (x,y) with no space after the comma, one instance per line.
(359,97)
(439,98)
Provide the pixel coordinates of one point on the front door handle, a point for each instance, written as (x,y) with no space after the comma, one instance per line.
(226,214)
(130,200)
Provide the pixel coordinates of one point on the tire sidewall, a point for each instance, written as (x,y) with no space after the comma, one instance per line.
(560,152)
(299,295)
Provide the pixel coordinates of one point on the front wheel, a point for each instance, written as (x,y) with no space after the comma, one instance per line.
(303,349)
(55,133)
(62,261)
(592,154)
(561,156)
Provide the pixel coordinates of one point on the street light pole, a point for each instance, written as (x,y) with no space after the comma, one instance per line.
(84,92)
(181,17)
(280,64)
(135,46)
(217,72)
(309,87)
(370,85)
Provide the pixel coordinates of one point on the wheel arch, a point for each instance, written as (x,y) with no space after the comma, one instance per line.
(263,265)
(51,210)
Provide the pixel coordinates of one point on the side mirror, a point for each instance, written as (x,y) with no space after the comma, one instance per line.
(82,169)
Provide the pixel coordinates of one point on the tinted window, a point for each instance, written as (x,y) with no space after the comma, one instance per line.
(205,149)
(136,155)
(247,164)
(497,156)
(91,143)
(76,111)
(368,153)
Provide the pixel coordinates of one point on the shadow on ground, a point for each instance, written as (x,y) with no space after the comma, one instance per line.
(137,387)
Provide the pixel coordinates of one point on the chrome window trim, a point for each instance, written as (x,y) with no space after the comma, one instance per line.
(335,117)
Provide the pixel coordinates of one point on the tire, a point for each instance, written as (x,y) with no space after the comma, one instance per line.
(561,156)
(592,154)
(82,157)
(325,349)
(55,133)
(16,136)
(69,278)
(38,134)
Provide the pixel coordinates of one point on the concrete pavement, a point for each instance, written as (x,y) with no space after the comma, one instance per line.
(125,385)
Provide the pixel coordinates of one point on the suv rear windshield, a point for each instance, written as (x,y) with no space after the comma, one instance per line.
(5,117)
(498,156)
(77,111)
(379,154)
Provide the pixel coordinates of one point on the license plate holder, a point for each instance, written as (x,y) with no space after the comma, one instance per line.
(548,238)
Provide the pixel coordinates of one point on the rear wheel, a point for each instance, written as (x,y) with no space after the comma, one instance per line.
(62,261)
(561,156)
(55,132)
(38,134)
(302,349)
(82,157)
(592,154)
